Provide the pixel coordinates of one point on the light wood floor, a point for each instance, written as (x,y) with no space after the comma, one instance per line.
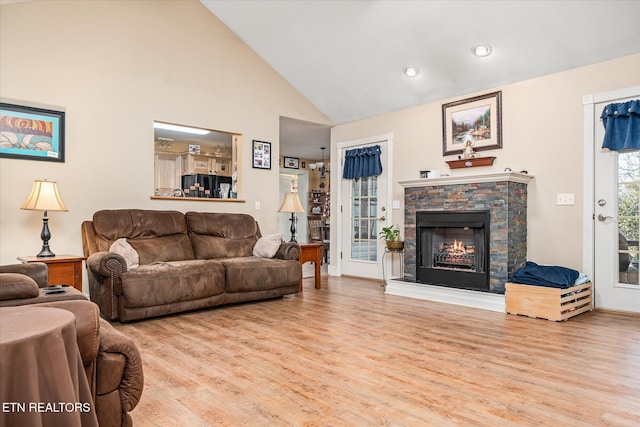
(349,355)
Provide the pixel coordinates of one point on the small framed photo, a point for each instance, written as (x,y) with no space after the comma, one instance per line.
(31,133)
(292,162)
(194,149)
(261,154)
(473,121)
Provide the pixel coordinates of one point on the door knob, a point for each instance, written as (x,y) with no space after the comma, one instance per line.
(382,218)
(603,218)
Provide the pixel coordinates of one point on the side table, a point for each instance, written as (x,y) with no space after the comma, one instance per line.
(43,377)
(387,251)
(312,252)
(63,269)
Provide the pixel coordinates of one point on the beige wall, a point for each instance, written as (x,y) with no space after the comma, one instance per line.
(115,67)
(542,133)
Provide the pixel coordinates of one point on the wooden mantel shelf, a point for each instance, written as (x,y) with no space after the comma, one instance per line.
(467,179)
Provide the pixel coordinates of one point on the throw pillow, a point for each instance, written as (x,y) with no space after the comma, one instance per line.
(267,246)
(16,286)
(122,247)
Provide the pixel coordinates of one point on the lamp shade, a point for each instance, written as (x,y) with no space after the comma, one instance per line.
(44,197)
(291,203)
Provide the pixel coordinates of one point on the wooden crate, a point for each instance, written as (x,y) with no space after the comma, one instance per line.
(548,303)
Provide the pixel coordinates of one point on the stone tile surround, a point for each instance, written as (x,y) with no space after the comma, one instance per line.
(504,195)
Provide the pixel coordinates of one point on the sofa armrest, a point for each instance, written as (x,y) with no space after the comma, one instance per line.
(289,251)
(106,264)
(104,270)
(38,271)
(87,326)
(115,347)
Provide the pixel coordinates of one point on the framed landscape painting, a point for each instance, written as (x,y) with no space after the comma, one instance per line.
(476,120)
(31,133)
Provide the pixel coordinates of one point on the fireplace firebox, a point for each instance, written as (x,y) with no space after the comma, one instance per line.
(452,249)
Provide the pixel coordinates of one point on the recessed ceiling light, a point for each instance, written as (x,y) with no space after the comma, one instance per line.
(481,50)
(411,71)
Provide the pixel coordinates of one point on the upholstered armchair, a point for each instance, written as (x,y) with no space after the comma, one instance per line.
(111,360)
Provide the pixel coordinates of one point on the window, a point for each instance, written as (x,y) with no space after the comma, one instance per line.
(192,162)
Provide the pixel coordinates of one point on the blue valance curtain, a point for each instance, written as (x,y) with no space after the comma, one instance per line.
(622,126)
(362,162)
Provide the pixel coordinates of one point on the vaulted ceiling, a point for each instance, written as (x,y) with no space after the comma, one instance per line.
(347,57)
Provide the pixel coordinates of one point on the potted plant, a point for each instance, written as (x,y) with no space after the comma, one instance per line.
(392,236)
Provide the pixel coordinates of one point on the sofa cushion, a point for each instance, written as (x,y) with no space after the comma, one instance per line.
(16,286)
(222,235)
(267,246)
(169,282)
(165,248)
(257,274)
(155,235)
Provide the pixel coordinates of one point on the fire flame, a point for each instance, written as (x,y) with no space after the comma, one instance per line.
(456,248)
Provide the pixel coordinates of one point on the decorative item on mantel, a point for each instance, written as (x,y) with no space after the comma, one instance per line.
(469,158)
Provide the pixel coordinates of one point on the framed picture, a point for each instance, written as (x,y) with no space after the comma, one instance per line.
(261,154)
(31,133)
(291,162)
(477,120)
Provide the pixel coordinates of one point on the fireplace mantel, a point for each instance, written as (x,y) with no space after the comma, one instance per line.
(519,177)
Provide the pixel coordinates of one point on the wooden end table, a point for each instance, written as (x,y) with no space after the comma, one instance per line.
(63,269)
(312,252)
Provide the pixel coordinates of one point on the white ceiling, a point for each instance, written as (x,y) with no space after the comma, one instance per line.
(347,57)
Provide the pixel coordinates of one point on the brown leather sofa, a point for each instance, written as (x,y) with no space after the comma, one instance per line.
(186,262)
(111,360)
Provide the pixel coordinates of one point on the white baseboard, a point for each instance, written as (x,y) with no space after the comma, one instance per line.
(333,271)
(483,300)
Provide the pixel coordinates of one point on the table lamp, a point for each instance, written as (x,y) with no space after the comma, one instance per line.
(44,197)
(291,204)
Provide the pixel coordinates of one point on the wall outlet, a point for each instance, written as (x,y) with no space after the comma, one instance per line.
(565,199)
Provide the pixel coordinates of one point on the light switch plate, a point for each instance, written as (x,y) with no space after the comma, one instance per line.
(257,206)
(565,199)
(395,204)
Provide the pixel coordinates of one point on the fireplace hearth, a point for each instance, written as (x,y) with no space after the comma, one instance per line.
(452,249)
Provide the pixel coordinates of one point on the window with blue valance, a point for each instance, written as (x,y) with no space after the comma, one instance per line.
(622,126)
(362,162)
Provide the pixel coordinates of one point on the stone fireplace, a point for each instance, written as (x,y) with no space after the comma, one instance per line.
(456,218)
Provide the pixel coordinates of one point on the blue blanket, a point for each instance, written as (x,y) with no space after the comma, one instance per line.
(545,275)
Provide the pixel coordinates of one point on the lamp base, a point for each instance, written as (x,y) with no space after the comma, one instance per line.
(45,252)
(293,220)
(45,235)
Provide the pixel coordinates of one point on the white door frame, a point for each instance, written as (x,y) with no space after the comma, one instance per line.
(590,120)
(336,179)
